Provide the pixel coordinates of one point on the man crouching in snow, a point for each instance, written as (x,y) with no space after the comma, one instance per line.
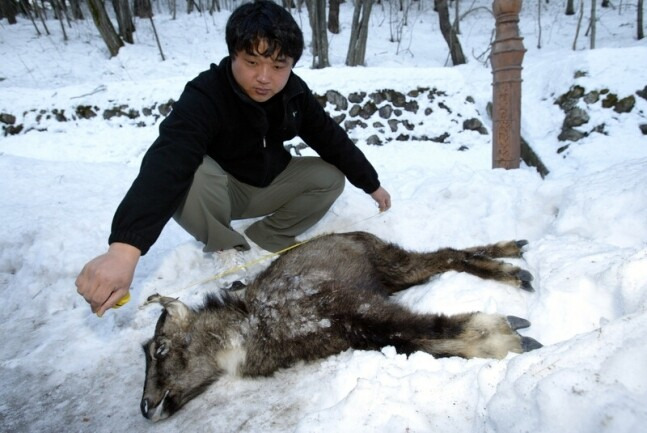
(220,157)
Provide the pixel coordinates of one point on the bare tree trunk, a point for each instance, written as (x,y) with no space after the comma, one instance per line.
(190,4)
(40,13)
(399,17)
(455,49)
(333,16)
(354,34)
(579,24)
(570,7)
(77,12)
(143,9)
(63,8)
(8,11)
(157,39)
(26,8)
(317,15)
(592,25)
(539,24)
(359,33)
(124,20)
(639,20)
(105,27)
(288,4)
(43,9)
(56,4)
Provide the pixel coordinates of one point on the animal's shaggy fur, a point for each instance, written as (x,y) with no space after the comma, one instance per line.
(321,298)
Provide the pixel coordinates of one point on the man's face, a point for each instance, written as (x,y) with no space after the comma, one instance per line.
(261,77)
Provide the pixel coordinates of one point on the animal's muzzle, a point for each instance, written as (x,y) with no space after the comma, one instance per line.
(144,405)
(154,412)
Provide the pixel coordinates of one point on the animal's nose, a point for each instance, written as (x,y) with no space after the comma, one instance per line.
(144,408)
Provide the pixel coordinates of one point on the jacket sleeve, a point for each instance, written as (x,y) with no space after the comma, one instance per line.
(166,170)
(331,142)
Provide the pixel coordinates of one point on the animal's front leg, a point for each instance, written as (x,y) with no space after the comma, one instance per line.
(480,261)
(491,269)
(500,249)
(399,269)
(483,335)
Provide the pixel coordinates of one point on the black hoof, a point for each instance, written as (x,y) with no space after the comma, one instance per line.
(517,322)
(521,243)
(528,344)
(525,277)
(525,285)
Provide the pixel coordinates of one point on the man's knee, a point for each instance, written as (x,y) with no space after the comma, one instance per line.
(326,177)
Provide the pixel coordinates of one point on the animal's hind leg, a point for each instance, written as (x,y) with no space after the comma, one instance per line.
(469,335)
(480,335)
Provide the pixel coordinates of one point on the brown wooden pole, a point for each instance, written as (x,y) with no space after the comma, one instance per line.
(507,56)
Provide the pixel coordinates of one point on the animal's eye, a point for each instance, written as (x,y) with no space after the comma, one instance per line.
(161,351)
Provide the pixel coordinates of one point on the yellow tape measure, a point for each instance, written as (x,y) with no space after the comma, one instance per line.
(123,301)
(120,303)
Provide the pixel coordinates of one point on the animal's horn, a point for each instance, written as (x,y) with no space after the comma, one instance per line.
(158,299)
(175,308)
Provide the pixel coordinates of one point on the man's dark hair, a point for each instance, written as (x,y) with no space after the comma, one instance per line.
(266,21)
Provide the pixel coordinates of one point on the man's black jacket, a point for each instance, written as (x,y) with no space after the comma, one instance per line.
(214,117)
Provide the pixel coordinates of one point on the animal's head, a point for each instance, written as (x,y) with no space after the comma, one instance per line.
(176,369)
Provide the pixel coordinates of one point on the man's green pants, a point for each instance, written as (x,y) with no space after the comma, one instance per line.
(298,198)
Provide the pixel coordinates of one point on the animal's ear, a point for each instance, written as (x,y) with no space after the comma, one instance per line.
(177,311)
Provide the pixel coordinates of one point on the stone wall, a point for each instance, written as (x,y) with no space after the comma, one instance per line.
(577,104)
(377,117)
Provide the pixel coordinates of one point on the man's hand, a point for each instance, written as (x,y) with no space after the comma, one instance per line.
(382,198)
(106,279)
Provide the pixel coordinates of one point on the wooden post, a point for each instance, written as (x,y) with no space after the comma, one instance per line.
(506,59)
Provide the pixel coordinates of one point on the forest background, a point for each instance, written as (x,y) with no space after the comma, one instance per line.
(76,121)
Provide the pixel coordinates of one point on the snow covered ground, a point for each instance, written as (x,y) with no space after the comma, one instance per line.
(64,369)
